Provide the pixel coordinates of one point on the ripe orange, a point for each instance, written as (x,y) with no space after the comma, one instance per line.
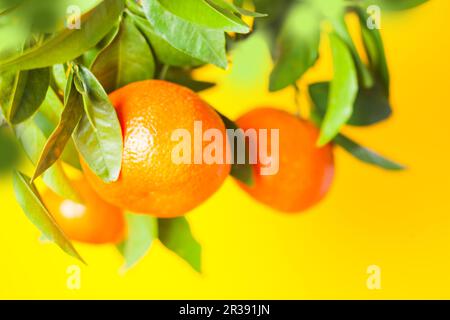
(305,171)
(150,182)
(94,221)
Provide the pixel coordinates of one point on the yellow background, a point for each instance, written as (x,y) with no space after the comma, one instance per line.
(398,221)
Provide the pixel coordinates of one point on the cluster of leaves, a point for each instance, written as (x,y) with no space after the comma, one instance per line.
(358,94)
(55,80)
(54,85)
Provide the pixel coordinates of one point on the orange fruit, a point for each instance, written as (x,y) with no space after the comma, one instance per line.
(150,181)
(304,172)
(94,221)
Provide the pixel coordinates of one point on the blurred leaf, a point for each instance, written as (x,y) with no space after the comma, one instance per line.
(31,203)
(165,52)
(236,9)
(341,30)
(176,235)
(45,16)
(343,91)
(207,14)
(298,46)
(370,107)
(29,91)
(100,142)
(69,43)
(9,153)
(373,44)
(127,59)
(142,230)
(366,155)
(33,141)
(242,172)
(183,77)
(205,44)
(57,141)
(395,5)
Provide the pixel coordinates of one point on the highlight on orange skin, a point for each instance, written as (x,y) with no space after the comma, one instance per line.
(94,221)
(305,170)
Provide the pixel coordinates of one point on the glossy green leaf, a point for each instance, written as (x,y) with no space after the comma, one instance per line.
(69,43)
(343,91)
(371,105)
(176,235)
(127,59)
(33,141)
(141,231)
(56,143)
(31,203)
(366,155)
(242,172)
(204,44)
(30,89)
(236,9)
(99,140)
(298,46)
(165,52)
(206,14)
(373,44)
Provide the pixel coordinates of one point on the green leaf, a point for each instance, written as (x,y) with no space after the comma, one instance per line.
(59,78)
(366,155)
(47,120)
(24,104)
(204,44)
(242,172)
(371,105)
(90,56)
(373,44)
(57,141)
(206,14)
(127,59)
(184,77)
(33,141)
(343,91)
(8,81)
(298,46)
(31,203)
(142,230)
(341,30)
(9,153)
(69,43)
(165,52)
(100,142)
(395,5)
(176,235)
(236,9)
